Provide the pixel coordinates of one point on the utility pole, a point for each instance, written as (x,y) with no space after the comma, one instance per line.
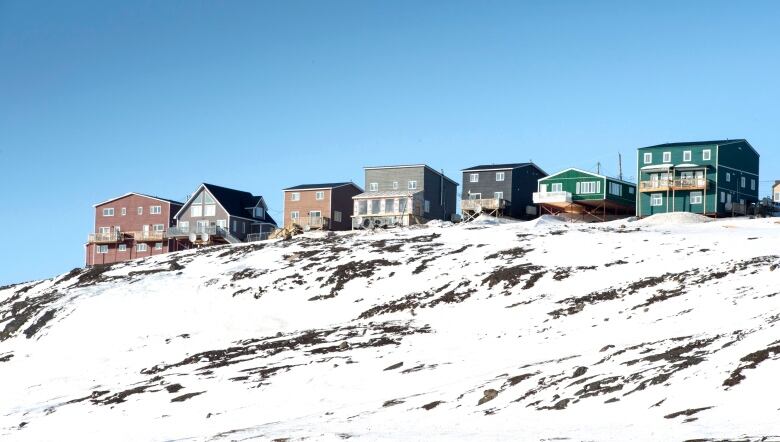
(598,168)
(620,166)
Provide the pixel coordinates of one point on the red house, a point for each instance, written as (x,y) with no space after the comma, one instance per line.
(130,226)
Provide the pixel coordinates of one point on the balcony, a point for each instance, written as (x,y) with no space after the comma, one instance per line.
(675,184)
(552,197)
(483,204)
(178,232)
(312,222)
(105,238)
(144,236)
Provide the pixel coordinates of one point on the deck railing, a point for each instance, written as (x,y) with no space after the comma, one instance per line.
(177,231)
(257,236)
(483,204)
(314,222)
(552,197)
(147,235)
(676,184)
(113,236)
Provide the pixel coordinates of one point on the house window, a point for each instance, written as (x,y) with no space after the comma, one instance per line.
(395,185)
(108,212)
(295,215)
(499,176)
(696,197)
(648,158)
(259,212)
(475,196)
(402,205)
(616,189)
(124,211)
(631,190)
(427,206)
(210,210)
(389,206)
(474,178)
(723,197)
(667,157)
(104,230)
(184,226)
(101,249)
(158,246)
(222,223)
(362,207)
(706,154)
(588,187)
(337,216)
(556,187)
(777,197)
(742,182)
(159,227)
(752,184)
(375,206)
(140,210)
(498,195)
(319,196)
(155,210)
(295,196)
(656,199)
(196,210)
(373,187)
(140,247)
(243,227)
(235,226)
(687,156)
(412,185)
(728,177)
(122,248)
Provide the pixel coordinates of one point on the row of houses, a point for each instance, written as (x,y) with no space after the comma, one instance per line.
(713,178)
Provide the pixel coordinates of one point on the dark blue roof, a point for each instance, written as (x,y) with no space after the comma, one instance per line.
(319,186)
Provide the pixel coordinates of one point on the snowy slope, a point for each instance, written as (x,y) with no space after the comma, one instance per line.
(516,331)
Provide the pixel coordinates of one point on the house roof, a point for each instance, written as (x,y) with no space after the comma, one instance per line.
(321,186)
(403,166)
(505,166)
(589,173)
(139,194)
(707,143)
(235,202)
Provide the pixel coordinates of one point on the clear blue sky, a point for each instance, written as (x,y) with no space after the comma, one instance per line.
(98,98)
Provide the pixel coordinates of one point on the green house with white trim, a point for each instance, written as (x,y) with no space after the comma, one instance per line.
(587,196)
(713,178)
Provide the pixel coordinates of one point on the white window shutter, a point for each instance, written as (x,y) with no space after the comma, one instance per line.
(578,187)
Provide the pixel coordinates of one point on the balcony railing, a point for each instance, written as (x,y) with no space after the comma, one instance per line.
(313,222)
(675,184)
(483,204)
(147,236)
(373,221)
(552,197)
(103,238)
(257,236)
(175,232)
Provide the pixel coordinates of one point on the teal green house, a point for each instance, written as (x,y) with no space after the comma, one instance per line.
(713,178)
(584,195)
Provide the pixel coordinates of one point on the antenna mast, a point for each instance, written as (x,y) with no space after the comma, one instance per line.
(620,165)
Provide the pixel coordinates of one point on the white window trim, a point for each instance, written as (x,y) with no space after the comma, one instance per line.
(319,195)
(659,197)
(141,247)
(648,158)
(500,176)
(295,215)
(373,187)
(140,210)
(395,185)
(412,184)
(159,227)
(122,248)
(473,177)
(498,195)
(108,211)
(696,198)
(158,246)
(295,196)
(667,157)
(687,156)
(101,249)
(155,210)
(706,155)
(124,211)
(743,182)
(556,187)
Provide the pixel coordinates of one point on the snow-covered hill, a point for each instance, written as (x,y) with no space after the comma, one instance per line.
(523,331)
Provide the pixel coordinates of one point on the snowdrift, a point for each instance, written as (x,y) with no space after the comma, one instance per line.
(475,332)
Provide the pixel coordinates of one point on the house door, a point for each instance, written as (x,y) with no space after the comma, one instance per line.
(542,188)
(201,226)
(686,178)
(700,178)
(315,218)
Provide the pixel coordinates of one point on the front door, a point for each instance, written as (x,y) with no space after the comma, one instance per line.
(315,218)
(202,225)
(700,178)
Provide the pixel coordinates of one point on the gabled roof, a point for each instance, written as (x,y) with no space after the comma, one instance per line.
(506,166)
(235,202)
(403,166)
(322,186)
(589,173)
(165,200)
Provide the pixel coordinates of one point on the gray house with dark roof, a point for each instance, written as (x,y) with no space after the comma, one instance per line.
(500,190)
(215,214)
(404,195)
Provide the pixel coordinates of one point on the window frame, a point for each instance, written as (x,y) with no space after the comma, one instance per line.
(412,184)
(337,216)
(295,196)
(667,157)
(373,187)
(697,198)
(498,195)
(473,177)
(193,210)
(161,227)
(108,211)
(427,206)
(687,156)
(155,210)
(743,182)
(659,197)
(158,246)
(123,211)
(556,187)
(648,158)
(139,210)
(706,155)
(395,185)
(141,247)
(121,248)
(319,195)
(295,215)
(502,176)
(101,249)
